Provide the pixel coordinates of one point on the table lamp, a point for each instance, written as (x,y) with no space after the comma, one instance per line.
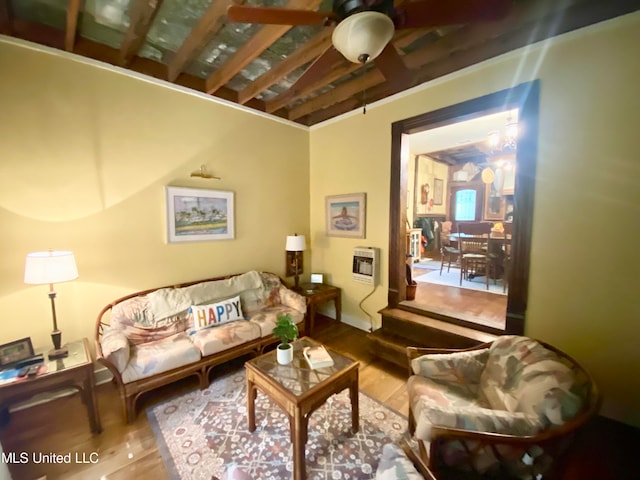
(51,267)
(296,243)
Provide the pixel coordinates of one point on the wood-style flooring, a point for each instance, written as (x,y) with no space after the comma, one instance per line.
(475,306)
(607,450)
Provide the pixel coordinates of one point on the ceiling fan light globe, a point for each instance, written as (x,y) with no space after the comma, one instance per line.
(362,36)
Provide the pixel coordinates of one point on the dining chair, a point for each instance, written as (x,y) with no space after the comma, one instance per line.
(506,254)
(473,241)
(448,252)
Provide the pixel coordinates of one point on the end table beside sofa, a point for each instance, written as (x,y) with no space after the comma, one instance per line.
(317,294)
(73,371)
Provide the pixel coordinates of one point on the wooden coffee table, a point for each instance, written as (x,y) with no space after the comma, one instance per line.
(299,390)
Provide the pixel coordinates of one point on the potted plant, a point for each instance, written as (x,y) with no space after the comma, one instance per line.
(286,331)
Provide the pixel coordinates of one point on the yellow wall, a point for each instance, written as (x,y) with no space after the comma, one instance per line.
(85,155)
(584,272)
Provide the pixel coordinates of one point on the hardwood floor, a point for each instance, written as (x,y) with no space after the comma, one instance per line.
(475,306)
(607,450)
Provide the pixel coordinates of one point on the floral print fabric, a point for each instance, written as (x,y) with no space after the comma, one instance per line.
(516,387)
(140,343)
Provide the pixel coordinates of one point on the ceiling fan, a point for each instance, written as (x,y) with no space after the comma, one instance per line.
(365,27)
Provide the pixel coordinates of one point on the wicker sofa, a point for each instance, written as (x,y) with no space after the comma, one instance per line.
(154,337)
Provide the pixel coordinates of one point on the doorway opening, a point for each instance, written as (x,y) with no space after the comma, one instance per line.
(450,193)
(462,173)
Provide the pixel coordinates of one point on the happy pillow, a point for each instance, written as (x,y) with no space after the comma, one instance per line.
(204,316)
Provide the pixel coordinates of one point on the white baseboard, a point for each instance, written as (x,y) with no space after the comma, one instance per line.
(356,322)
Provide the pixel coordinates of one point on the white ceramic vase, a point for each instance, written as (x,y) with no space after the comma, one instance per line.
(284,354)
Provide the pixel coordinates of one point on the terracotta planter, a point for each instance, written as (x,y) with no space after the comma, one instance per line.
(284,354)
(411,291)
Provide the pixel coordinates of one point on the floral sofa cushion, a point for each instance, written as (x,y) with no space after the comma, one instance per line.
(457,367)
(168,302)
(222,337)
(135,319)
(160,356)
(522,375)
(115,347)
(267,318)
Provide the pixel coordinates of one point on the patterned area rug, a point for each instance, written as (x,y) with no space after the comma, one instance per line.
(452,279)
(203,433)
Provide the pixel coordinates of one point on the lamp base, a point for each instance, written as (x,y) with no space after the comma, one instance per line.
(58,353)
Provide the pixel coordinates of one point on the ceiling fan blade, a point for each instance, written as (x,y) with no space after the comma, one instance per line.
(318,69)
(390,63)
(436,13)
(277,16)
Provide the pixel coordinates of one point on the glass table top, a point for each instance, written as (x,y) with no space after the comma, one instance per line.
(78,355)
(297,377)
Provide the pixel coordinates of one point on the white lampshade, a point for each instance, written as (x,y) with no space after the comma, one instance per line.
(295,243)
(362,36)
(50,267)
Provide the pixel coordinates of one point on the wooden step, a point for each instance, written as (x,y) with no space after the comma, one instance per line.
(402,328)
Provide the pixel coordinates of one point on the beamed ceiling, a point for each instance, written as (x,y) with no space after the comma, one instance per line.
(192,43)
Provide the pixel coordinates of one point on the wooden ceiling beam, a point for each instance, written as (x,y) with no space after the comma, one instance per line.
(342,92)
(442,62)
(337,72)
(6,17)
(304,54)
(145,66)
(206,28)
(71,29)
(402,39)
(141,15)
(252,49)
(42,34)
(465,37)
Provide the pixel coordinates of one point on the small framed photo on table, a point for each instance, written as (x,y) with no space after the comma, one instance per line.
(13,352)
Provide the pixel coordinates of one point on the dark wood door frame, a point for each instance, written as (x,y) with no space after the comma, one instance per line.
(525,97)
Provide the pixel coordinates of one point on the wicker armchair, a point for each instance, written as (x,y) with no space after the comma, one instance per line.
(505,409)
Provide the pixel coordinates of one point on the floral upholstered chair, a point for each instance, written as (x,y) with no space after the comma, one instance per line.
(505,409)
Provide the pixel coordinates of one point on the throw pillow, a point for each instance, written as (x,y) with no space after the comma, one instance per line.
(203,316)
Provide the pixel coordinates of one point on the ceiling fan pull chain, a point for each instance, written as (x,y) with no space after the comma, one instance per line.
(364,102)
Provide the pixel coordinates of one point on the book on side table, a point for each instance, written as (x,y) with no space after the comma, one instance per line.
(317,356)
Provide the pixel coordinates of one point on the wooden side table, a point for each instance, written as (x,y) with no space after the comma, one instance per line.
(73,371)
(317,294)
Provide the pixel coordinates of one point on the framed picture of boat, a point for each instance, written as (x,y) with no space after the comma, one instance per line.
(195,215)
(346,215)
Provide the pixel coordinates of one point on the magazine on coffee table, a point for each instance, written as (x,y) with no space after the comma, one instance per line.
(317,356)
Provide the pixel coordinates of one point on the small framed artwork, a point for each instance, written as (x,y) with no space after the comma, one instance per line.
(317,278)
(345,215)
(294,267)
(195,215)
(438,191)
(494,203)
(13,352)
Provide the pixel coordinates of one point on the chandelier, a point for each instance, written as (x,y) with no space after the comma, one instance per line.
(506,141)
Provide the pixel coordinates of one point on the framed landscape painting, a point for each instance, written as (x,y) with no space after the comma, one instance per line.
(196,215)
(345,215)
